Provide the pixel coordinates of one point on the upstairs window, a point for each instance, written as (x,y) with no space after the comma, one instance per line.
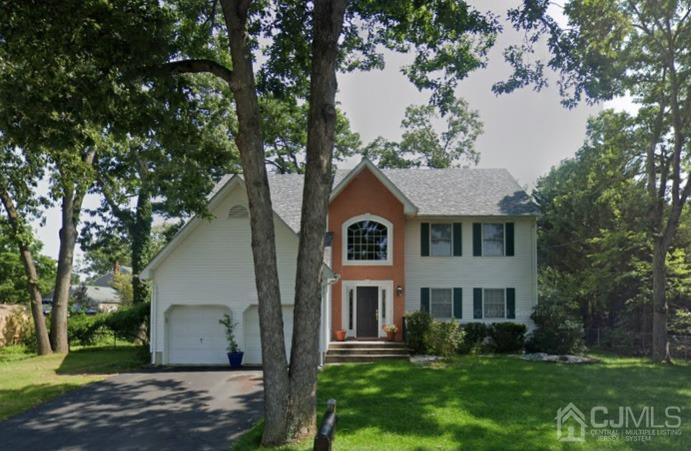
(441,240)
(492,240)
(368,241)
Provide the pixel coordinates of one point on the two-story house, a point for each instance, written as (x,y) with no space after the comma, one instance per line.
(459,243)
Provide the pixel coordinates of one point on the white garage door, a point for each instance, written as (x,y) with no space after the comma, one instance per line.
(253,346)
(195,336)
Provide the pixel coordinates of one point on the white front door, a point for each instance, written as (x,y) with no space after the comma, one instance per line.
(195,336)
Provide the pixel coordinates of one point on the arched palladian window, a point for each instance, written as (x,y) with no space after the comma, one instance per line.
(368,240)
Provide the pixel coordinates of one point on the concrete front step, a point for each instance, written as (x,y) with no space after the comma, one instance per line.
(356,358)
(366,344)
(349,351)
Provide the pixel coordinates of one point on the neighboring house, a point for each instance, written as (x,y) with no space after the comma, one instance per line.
(458,243)
(99,294)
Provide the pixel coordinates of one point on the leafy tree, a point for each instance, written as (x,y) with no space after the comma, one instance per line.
(13,282)
(65,79)
(422,145)
(303,45)
(19,175)
(637,48)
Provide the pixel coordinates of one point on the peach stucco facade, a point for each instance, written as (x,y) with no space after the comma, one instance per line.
(366,195)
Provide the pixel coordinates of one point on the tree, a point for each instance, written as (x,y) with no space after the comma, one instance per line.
(306,44)
(284,128)
(64,81)
(637,48)
(14,287)
(18,176)
(422,145)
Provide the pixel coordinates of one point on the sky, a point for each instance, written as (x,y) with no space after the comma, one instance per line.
(525,132)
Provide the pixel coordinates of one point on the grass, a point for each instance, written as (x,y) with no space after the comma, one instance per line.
(27,380)
(486,402)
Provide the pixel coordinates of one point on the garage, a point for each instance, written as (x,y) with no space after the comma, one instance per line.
(253,347)
(195,336)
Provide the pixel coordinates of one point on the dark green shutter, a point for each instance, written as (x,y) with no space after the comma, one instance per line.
(457,239)
(477,303)
(424,300)
(511,303)
(509,239)
(458,303)
(477,239)
(424,239)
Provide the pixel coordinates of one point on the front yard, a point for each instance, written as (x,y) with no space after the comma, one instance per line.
(485,402)
(27,380)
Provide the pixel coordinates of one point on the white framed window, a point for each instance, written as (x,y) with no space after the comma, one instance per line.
(493,240)
(441,240)
(494,303)
(441,303)
(367,240)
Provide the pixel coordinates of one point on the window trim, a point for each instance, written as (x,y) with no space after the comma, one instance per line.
(482,239)
(431,301)
(432,224)
(484,298)
(389,240)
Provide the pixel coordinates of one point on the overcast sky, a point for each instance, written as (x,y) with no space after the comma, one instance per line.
(525,132)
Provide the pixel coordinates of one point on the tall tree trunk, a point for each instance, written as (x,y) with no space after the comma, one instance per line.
(660,345)
(42,341)
(328,23)
(250,144)
(73,196)
(141,236)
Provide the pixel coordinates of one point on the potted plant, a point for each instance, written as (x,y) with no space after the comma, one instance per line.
(234,353)
(340,335)
(391,331)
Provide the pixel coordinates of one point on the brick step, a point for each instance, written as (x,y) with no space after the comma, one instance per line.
(348,351)
(353,358)
(366,344)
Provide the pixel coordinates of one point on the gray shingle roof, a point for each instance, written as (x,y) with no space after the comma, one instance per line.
(435,192)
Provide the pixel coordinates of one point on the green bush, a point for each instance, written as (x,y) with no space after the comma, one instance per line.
(507,337)
(557,332)
(417,327)
(131,323)
(444,338)
(85,329)
(474,335)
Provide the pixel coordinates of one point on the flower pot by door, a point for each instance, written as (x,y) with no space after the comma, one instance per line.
(391,336)
(340,335)
(235,359)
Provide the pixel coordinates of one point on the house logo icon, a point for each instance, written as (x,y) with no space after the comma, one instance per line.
(570,424)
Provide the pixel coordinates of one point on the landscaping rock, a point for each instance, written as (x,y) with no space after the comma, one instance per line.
(424,359)
(544,357)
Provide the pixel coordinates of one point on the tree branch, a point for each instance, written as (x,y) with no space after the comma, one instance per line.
(196,66)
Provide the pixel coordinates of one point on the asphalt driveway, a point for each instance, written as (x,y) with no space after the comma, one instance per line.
(180,410)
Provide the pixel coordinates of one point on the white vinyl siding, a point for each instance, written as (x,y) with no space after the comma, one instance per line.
(519,271)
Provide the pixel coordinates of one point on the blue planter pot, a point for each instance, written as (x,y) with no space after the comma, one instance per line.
(235,359)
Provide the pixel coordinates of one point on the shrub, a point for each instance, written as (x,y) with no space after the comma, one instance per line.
(444,338)
(131,323)
(85,329)
(417,327)
(557,332)
(473,338)
(507,337)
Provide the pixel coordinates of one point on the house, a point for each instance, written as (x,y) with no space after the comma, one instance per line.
(98,295)
(459,243)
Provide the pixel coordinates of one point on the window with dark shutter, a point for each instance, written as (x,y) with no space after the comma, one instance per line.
(509,239)
(424,300)
(477,239)
(477,303)
(511,303)
(457,239)
(458,303)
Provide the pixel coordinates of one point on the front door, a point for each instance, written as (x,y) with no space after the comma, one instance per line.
(367,313)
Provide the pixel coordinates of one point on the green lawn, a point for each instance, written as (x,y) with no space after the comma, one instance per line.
(27,380)
(485,402)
